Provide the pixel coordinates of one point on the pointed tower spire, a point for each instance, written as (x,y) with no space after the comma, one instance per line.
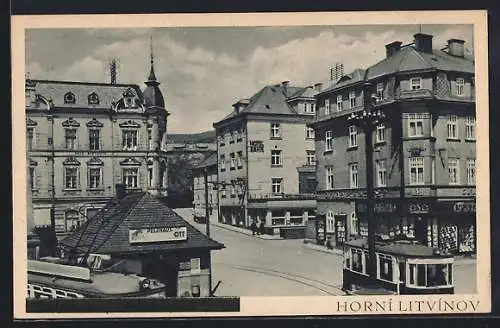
(152,76)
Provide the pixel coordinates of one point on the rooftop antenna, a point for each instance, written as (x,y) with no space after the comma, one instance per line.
(336,72)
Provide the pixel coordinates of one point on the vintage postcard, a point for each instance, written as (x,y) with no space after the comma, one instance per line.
(251,164)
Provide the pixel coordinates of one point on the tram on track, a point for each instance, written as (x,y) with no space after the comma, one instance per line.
(403,267)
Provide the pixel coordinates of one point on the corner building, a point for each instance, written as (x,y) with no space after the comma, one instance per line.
(265,153)
(424,151)
(84,138)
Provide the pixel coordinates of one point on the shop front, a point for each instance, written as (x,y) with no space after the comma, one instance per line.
(457,226)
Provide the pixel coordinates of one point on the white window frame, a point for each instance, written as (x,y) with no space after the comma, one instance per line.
(79,220)
(418,121)
(239,159)
(452,127)
(353,175)
(310,157)
(340,101)
(92,143)
(76,185)
(90,176)
(352,99)
(416,163)
(129,142)
(275,130)
(329,177)
(460,82)
(327,106)
(380,133)
(433,170)
(388,257)
(453,171)
(150,175)
(277,185)
(354,224)
(150,138)
(470,128)
(415,83)
(380,91)
(126,176)
(353,136)
(471,172)
(330,222)
(329,140)
(73,144)
(309,133)
(276,158)
(381,173)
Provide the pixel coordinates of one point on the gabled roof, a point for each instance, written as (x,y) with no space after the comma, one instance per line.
(106,93)
(307,92)
(210,160)
(110,228)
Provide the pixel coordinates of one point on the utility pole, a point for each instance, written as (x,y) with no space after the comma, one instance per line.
(368,119)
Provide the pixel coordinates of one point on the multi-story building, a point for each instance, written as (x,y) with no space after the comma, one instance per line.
(84,138)
(199,200)
(263,146)
(424,150)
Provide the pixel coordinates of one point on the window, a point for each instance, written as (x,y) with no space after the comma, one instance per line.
(32,177)
(354,224)
(309,133)
(129,139)
(402,272)
(385,267)
(380,91)
(131,177)
(415,83)
(277,185)
(313,108)
(70,137)
(471,171)
(150,176)
(94,139)
(95,177)
(231,138)
(329,178)
(433,170)
(150,137)
(460,86)
(453,171)
(380,133)
(381,173)
(327,106)
(239,136)
(233,191)
(328,141)
(470,128)
(30,133)
(275,130)
(353,136)
(221,141)
(431,275)
(358,260)
(339,103)
(452,127)
(330,222)
(222,163)
(233,161)
(310,158)
(415,125)
(275,157)
(73,220)
(223,192)
(71,177)
(352,99)
(416,170)
(239,159)
(69,98)
(353,175)
(93,99)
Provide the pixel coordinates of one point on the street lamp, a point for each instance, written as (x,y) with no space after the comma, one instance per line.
(367,120)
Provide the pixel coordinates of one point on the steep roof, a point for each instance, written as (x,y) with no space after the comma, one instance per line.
(355,76)
(307,92)
(210,160)
(111,226)
(107,93)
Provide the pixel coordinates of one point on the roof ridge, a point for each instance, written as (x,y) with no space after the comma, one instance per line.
(85,83)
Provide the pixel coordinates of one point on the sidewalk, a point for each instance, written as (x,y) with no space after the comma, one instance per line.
(243,231)
(459,260)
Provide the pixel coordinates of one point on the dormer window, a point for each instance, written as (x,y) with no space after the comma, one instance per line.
(460,86)
(415,83)
(128,97)
(69,98)
(93,99)
(380,91)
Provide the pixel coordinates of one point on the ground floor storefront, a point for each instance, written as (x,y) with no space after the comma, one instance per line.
(449,225)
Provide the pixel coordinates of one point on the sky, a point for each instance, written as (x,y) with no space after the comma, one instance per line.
(203,71)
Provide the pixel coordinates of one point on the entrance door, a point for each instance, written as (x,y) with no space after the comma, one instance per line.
(421,230)
(340,229)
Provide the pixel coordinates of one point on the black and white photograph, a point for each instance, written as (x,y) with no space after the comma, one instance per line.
(321,160)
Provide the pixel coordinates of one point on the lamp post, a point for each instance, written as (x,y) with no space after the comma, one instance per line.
(367,120)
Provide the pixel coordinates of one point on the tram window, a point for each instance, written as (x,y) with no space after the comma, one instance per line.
(385,267)
(402,272)
(421,281)
(437,275)
(450,273)
(347,256)
(412,274)
(357,260)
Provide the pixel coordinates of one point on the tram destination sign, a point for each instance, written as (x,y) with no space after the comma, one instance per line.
(157,234)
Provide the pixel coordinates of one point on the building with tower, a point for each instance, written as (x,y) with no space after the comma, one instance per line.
(84,138)
(424,150)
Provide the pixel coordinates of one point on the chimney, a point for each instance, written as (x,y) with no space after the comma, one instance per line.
(423,42)
(318,87)
(392,48)
(456,47)
(285,84)
(120,190)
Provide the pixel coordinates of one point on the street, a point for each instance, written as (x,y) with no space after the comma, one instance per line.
(251,266)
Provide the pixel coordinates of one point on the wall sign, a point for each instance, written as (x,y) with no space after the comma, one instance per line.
(256,146)
(418,208)
(157,234)
(195,265)
(379,207)
(464,207)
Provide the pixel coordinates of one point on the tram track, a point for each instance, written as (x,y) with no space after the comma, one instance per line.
(323,286)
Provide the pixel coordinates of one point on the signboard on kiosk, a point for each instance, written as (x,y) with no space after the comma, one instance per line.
(157,234)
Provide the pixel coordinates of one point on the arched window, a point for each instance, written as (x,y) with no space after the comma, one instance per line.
(69,98)
(93,99)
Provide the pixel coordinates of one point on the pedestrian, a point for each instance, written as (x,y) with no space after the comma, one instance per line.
(261,227)
(253,226)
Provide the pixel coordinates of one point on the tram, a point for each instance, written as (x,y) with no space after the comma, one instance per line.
(49,278)
(403,267)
